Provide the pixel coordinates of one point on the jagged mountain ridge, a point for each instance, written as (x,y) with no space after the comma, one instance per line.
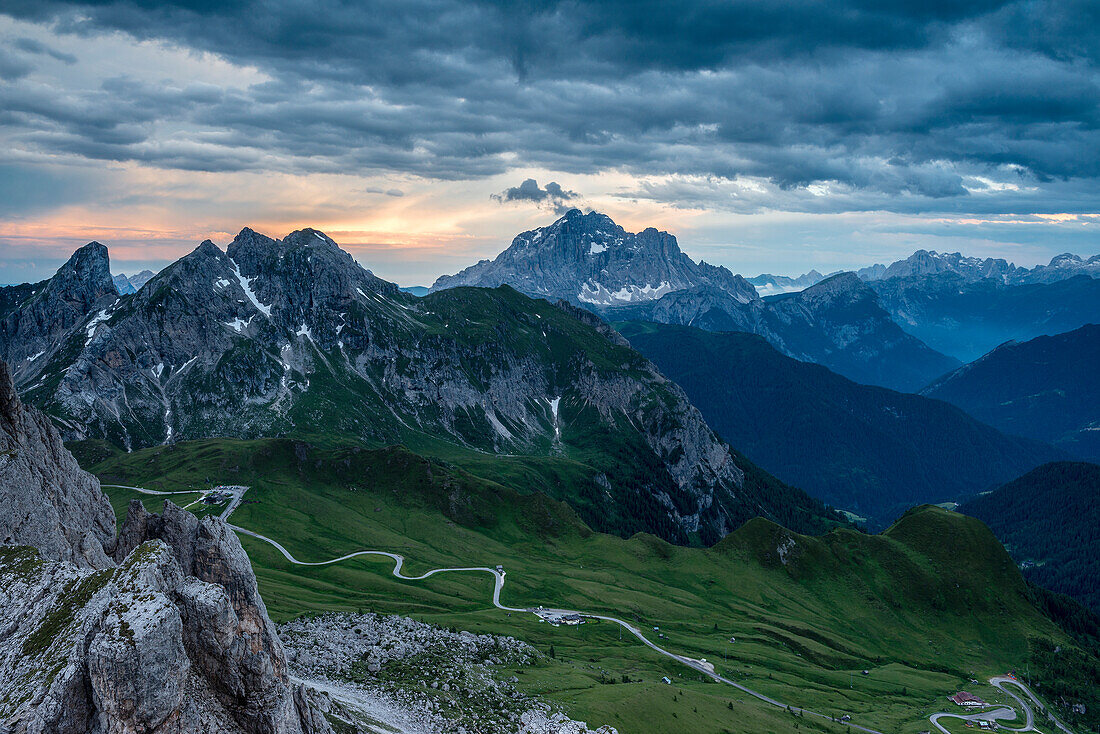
(587,259)
(930,262)
(293,337)
(971,269)
(837,323)
(39,316)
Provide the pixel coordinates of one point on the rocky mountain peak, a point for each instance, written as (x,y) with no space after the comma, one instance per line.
(85,277)
(89,258)
(305,268)
(309,237)
(588,259)
(207,248)
(1066,258)
(248,246)
(123,285)
(140,279)
(847,285)
(49,316)
(253,251)
(127,284)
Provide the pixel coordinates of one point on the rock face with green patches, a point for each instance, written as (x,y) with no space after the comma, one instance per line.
(174,639)
(228,635)
(46,500)
(144,647)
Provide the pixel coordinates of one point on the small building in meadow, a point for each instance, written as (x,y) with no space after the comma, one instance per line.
(969,700)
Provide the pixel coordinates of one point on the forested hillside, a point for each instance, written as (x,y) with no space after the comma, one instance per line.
(1049,520)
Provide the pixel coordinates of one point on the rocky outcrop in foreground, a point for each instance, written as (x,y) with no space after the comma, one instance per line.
(174,639)
(46,501)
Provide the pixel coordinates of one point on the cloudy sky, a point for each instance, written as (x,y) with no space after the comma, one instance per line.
(423,134)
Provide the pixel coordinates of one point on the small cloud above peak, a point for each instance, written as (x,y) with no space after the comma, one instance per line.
(553,197)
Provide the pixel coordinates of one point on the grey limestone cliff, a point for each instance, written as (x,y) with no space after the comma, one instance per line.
(173,639)
(46,501)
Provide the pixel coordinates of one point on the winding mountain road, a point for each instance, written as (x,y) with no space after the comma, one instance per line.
(498,577)
(1005,713)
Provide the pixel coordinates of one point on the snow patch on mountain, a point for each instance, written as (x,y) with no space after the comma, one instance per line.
(246,286)
(238,324)
(593,292)
(98,319)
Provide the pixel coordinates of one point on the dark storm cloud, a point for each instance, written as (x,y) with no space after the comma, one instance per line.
(553,197)
(904,105)
(32,46)
(28,189)
(12,66)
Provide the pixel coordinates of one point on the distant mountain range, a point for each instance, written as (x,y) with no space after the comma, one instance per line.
(837,323)
(1049,520)
(770,285)
(293,337)
(966,319)
(127,284)
(1047,388)
(925,262)
(593,263)
(898,326)
(930,262)
(866,449)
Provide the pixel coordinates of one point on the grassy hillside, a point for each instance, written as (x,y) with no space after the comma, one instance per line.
(865,449)
(808,613)
(1049,520)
